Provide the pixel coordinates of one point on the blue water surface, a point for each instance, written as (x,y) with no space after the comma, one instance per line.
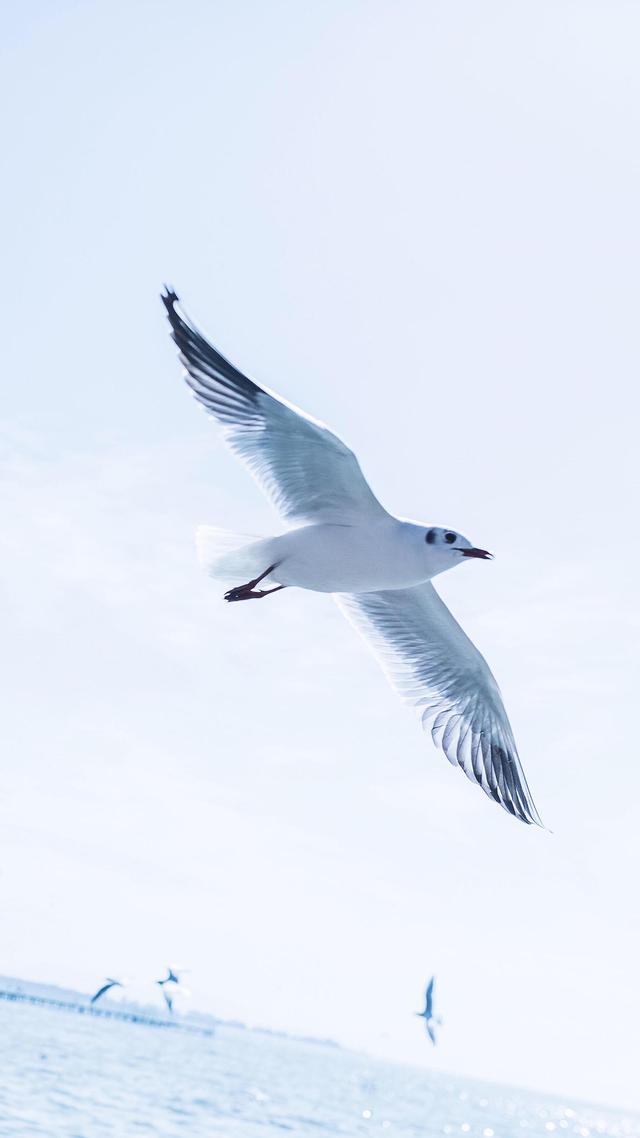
(67,1076)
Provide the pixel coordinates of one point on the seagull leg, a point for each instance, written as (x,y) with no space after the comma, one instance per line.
(248,592)
(245,593)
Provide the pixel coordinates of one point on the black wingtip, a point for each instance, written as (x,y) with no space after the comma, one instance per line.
(169,298)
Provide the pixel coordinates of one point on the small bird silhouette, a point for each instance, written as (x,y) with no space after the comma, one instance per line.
(430,1020)
(170,984)
(110,983)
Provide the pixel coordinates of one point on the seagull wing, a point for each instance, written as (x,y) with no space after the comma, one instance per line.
(434,666)
(105,988)
(431,1032)
(428,1005)
(309,474)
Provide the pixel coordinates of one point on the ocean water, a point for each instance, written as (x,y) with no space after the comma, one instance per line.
(68,1076)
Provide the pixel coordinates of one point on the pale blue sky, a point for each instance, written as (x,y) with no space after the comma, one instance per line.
(419,221)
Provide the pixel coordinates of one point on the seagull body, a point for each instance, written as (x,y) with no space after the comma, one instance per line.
(172,977)
(344,542)
(430,1021)
(384,554)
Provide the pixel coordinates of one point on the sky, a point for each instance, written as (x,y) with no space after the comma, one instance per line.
(418,220)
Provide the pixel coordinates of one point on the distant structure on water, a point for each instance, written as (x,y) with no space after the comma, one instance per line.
(129,1015)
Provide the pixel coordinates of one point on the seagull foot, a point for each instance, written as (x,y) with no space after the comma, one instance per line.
(246,593)
(249,592)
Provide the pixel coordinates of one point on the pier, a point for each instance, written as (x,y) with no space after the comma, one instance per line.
(105,1012)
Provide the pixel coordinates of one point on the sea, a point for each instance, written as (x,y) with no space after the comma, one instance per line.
(65,1075)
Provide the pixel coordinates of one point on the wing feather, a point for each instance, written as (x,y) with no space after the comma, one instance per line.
(429,998)
(433,665)
(306,470)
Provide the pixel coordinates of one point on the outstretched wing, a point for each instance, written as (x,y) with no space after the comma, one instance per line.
(434,666)
(309,474)
(431,1032)
(105,988)
(428,1005)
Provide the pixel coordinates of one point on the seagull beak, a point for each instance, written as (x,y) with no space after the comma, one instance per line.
(477,553)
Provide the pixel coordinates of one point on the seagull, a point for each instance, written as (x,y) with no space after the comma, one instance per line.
(170,984)
(430,1020)
(379,567)
(110,983)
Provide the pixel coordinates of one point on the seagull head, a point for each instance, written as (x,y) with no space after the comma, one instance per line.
(448,548)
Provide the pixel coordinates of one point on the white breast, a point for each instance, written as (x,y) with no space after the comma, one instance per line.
(352,559)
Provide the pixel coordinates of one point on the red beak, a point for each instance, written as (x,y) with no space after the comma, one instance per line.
(477,553)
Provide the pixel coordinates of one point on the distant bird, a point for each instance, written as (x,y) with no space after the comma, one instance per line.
(170,984)
(106,988)
(430,1020)
(172,977)
(344,542)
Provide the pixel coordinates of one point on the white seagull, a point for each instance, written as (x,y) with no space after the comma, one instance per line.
(345,542)
(171,984)
(430,1021)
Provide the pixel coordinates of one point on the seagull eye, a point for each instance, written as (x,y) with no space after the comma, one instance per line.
(431,537)
(450,537)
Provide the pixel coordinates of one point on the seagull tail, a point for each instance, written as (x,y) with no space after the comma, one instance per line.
(232,557)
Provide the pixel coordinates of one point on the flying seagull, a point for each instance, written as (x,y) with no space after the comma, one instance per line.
(170,984)
(344,542)
(430,1020)
(110,983)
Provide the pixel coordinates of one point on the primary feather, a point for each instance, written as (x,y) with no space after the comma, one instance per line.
(306,470)
(433,665)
